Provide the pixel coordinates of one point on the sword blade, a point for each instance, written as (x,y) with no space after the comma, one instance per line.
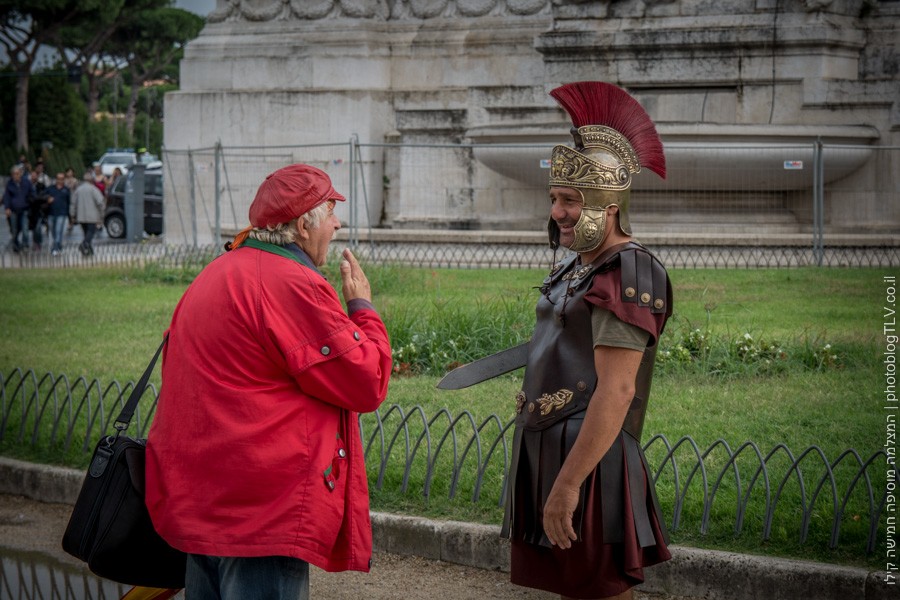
(485,368)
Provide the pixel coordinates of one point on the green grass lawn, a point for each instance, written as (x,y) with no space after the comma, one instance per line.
(779,386)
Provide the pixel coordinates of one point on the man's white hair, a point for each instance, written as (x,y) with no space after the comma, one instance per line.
(283,234)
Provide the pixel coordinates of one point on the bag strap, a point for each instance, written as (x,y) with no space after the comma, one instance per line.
(124,419)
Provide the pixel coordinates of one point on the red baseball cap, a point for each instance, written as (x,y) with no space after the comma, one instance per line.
(290,192)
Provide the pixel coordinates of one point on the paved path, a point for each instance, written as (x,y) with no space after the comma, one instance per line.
(30,534)
(418,558)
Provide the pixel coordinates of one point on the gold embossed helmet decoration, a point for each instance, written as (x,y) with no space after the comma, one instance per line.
(614,138)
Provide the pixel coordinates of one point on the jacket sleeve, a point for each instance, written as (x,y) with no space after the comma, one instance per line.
(339,359)
(358,379)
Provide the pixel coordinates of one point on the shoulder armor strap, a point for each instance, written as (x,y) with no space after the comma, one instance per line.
(644,279)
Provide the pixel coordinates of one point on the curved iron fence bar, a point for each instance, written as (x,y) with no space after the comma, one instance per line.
(378,430)
(805,508)
(676,476)
(386,449)
(704,522)
(115,407)
(58,412)
(476,439)
(85,400)
(829,474)
(40,407)
(6,408)
(770,513)
(409,457)
(679,497)
(386,455)
(742,507)
(839,515)
(430,460)
(32,399)
(8,411)
(3,411)
(482,469)
(665,442)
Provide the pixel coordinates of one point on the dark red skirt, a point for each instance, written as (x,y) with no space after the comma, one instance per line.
(619,524)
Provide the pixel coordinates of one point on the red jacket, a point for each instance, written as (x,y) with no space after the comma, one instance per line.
(255,447)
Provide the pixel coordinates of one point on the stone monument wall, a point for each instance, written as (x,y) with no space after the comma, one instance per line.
(762,73)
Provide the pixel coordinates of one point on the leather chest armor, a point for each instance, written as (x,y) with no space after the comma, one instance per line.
(560,376)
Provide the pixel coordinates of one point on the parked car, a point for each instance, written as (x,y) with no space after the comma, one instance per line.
(114,218)
(123,158)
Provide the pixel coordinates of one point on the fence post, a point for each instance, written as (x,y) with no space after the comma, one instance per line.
(218,196)
(193,197)
(354,200)
(818,202)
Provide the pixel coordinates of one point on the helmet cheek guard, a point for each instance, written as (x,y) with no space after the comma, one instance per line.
(590,230)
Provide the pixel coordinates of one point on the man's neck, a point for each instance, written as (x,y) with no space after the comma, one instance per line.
(614,238)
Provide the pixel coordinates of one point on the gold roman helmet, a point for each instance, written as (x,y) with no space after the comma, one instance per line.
(614,138)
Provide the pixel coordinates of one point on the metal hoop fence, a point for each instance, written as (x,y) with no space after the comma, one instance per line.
(406,450)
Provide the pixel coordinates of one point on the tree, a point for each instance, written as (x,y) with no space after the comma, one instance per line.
(56,113)
(149,44)
(26,25)
(83,46)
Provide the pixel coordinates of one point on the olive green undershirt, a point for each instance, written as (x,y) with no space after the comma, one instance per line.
(609,330)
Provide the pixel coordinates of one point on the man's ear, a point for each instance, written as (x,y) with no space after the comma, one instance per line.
(612,213)
(302,229)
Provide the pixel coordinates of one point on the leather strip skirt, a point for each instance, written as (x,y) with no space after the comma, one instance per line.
(619,525)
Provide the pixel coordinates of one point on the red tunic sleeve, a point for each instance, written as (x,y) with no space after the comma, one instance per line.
(606,292)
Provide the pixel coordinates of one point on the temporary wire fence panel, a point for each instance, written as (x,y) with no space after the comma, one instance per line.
(731,206)
(727,195)
(210,190)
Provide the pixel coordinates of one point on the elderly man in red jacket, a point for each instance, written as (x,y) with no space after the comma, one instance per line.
(254,459)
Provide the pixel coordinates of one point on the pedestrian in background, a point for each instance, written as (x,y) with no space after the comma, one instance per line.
(59,198)
(37,208)
(116,174)
(87,210)
(71,180)
(16,200)
(71,183)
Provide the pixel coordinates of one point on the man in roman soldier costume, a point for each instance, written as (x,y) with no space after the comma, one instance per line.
(582,514)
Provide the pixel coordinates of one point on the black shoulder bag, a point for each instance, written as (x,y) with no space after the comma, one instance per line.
(110,528)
